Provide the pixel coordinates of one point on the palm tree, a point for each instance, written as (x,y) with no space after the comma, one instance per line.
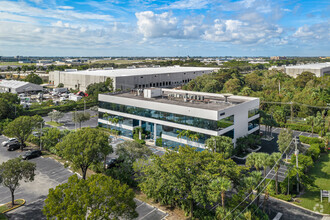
(253,160)
(218,187)
(257,177)
(275,160)
(310,120)
(326,139)
(263,157)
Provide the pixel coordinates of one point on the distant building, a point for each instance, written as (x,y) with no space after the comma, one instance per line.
(319,69)
(164,113)
(17,87)
(278,58)
(132,78)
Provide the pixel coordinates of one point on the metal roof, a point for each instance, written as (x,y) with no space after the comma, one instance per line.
(310,66)
(139,71)
(12,84)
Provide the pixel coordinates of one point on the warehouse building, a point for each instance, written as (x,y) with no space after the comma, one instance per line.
(17,87)
(128,78)
(165,113)
(319,69)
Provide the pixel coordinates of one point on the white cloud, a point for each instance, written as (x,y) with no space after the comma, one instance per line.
(320,31)
(65,7)
(188,4)
(153,25)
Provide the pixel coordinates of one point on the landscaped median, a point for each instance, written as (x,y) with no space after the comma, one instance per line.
(8,207)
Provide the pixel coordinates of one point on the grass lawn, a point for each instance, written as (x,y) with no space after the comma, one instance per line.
(54,124)
(321,173)
(15,64)
(3,217)
(7,206)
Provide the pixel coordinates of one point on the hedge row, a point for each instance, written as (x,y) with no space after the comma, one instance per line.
(310,140)
(300,127)
(63,108)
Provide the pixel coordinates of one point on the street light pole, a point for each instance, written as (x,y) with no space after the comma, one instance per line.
(296,153)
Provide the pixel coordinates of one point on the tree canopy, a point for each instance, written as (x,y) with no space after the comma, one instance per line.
(98,197)
(22,127)
(33,78)
(15,170)
(182,178)
(84,148)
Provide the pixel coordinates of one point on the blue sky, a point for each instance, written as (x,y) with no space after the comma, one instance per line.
(165,28)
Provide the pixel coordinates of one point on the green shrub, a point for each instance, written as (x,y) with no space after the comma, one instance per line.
(310,140)
(287,198)
(140,141)
(314,151)
(159,142)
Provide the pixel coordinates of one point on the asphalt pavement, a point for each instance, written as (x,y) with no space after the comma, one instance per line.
(69,124)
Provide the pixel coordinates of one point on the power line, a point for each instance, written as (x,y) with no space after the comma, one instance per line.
(296,103)
(260,182)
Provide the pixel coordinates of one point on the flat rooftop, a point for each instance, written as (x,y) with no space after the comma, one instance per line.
(200,100)
(310,66)
(138,71)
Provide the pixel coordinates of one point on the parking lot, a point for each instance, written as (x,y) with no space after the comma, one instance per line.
(69,124)
(49,174)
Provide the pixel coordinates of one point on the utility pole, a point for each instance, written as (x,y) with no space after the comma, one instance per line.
(75,120)
(296,152)
(40,135)
(291,108)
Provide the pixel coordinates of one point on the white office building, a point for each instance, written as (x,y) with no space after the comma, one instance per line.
(165,113)
(124,79)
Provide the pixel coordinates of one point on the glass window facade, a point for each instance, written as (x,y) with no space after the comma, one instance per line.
(253,112)
(165,116)
(175,145)
(230,134)
(121,120)
(123,132)
(174,132)
(252,124)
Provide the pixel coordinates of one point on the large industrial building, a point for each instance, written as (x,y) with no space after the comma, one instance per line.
(165,113)
(319,69)
(124,79)
(17,87)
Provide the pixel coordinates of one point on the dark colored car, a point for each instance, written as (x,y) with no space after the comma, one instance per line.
(112,162)
(13,146)
(31,154)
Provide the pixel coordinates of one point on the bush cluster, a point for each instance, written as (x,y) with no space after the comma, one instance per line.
(310,140)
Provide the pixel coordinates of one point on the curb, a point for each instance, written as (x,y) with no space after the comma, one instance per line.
(15,206)
(324,215)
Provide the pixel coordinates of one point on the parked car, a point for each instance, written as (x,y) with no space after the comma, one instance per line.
(13,146)
(112,162)
(11,140)
(31,154)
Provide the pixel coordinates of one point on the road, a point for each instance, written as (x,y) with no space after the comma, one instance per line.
(49,174)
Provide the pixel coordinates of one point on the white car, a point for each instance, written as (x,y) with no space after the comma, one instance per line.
(4,143)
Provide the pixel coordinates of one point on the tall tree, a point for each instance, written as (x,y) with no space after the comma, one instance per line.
(253,160)
(55,115)
(220,144)
(15,170)
(310,120)
(263,157)
(284,141)
(84,148)
(22,127)
(218,187)
(98,197)
(275,159)
(80,117)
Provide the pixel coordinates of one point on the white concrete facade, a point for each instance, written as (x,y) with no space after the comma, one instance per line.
(240,111)
(125,79)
